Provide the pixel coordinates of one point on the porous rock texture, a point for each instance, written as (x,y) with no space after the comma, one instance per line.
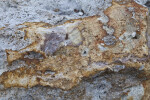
(74,50)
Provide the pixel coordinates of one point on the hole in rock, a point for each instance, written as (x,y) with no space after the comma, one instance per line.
(137,36)
(147,4)
(33,55)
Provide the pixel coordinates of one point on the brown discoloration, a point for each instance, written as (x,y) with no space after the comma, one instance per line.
(130,98)
(79,48)
(146,85)
(31,61)
(12,55)
(2,28)
(126,20)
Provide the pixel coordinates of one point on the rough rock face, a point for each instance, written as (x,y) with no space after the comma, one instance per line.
(80,47)
(63,56)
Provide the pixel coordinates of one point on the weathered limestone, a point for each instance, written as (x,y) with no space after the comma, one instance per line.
(80,48)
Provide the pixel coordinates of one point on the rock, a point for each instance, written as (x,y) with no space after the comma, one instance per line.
(95,51)
(62,46)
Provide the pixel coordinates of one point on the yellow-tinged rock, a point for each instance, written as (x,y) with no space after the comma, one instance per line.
(80,48)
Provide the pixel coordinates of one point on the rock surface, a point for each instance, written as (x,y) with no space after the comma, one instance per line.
(102,56)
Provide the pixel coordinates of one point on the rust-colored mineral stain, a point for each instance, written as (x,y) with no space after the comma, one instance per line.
(79,48)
